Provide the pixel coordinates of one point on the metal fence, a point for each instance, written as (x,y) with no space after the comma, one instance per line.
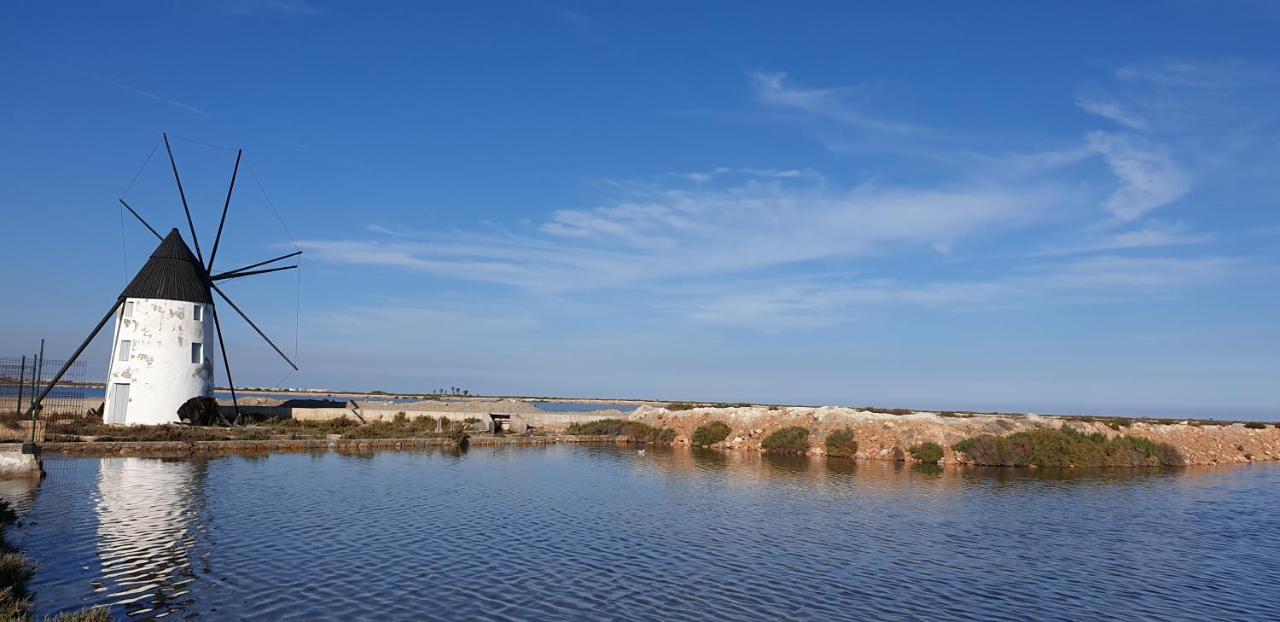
(22,378)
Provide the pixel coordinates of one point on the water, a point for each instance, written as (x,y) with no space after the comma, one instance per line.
(94,395)
(574,407)
(586,533)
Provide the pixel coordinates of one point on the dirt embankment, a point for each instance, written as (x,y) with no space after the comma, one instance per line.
(884,436)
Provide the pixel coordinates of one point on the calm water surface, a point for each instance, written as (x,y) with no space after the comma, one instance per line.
(586,533)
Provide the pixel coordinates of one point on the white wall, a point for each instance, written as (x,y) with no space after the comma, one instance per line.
(159,368)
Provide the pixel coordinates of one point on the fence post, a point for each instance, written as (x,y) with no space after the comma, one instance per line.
(35,386)
(39,376)
(22,384)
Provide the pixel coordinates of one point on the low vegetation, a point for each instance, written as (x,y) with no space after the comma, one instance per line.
(633,430)
(16,571)
(71,430)
(1067,448)
(841,443)
(792,439)
(681,406)
(400,426)
(710,433)
(1254,425)
(927,452)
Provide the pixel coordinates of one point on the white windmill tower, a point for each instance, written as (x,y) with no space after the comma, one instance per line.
(165,321)
(158,354)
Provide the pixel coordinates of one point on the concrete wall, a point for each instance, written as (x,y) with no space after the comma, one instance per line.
(320,414)
(545,421)
(158,370)
(559,422)
(14,463)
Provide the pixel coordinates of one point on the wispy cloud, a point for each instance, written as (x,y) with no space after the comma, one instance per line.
(1149,177)
(816,304)
(1153,235)
(706,242)
(362,318)
(773,89)
(1195,74)
(148,94)
(678,230)
(1113,110)
(262,7)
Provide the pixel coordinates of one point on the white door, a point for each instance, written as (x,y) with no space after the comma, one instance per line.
(119,402)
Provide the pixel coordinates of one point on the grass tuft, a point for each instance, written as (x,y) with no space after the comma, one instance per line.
(793,439)
(710,433)
(16,571)
(928,452)
(1067,448)
(633,430)
(841,443)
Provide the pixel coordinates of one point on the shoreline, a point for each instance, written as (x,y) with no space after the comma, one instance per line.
(187,448)
(887,435)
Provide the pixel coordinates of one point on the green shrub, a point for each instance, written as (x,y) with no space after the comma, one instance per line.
(1067,448)
(929,452)
(793,439)
(842,444)
(633,430)
(1254,425)
(681,406)
(710,433)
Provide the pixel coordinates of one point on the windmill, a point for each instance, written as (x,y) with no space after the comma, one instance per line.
(164,319)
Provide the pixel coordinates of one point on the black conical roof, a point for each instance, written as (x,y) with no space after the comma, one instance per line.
(172,273)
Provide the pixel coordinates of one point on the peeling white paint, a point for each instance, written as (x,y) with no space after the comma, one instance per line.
(159,370)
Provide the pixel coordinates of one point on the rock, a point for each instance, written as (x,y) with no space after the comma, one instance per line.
(200,410)
(15,464)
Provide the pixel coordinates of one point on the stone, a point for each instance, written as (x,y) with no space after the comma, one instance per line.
(200,410)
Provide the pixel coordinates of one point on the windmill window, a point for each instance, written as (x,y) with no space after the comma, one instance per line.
(197,314)
(128,308)
(123,350)
(197,353)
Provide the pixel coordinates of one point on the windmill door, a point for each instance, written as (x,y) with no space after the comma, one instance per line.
(119,402)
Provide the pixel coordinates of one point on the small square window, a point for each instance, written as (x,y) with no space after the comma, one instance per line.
(197,353)
(198,313)
(128,308)
(123,350)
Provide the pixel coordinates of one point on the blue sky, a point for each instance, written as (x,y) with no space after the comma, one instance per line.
(1010,206)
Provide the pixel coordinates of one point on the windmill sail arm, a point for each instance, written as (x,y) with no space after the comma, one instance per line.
(35,404)
(226,362)
(183,195)
(142,220)
(217,239)
(224,296)
(230,273)
(236,275)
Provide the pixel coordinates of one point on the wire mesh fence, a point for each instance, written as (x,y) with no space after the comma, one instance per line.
(22,378)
